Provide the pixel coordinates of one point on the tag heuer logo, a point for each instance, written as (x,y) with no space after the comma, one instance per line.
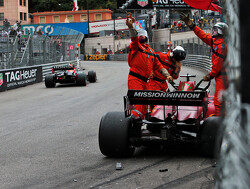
(1,79)
(142,3)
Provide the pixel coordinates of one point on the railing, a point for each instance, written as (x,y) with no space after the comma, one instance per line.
(198,61)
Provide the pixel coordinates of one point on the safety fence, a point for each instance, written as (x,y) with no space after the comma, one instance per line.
(198,61)
(192,46)
(36,49)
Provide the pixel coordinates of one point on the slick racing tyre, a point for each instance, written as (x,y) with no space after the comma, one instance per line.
(92,76)
(81,79)
(114,135)
(50,81)
(210,143)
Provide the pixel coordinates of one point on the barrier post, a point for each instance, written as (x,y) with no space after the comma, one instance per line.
(77,55)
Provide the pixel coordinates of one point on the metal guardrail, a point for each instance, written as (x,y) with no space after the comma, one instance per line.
(198,61)
(118,57)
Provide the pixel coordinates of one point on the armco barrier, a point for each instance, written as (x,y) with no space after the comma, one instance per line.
(197,61)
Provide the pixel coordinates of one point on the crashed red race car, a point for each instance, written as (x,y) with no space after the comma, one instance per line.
(184,115)
(69,74)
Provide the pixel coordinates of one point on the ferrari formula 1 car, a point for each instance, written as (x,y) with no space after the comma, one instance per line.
(184,115)
(69,74)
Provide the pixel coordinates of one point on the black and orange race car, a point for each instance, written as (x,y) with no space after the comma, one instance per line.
(69,74)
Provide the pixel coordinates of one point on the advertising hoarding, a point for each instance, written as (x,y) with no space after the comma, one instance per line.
(56,29)
(148,4)
(20,77)
(96,27)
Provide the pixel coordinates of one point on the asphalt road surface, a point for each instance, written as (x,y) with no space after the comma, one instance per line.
(49,139)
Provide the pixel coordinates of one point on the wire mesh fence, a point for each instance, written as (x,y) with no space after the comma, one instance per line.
(36,49)
(193,46)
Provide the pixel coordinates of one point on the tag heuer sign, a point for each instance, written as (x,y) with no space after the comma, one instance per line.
(1,79)
(142,3)
(149,4)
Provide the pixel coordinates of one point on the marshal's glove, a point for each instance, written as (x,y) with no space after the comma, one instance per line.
(187,20)
(207,77)
(130,20)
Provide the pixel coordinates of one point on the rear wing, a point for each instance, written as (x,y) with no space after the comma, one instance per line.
(67,67)
(176,98)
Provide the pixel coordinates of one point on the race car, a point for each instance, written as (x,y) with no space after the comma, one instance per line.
(183,115)
(69,74)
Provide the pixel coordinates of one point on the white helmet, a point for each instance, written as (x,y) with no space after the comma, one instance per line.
(142,32)
(221,28)
(179,53)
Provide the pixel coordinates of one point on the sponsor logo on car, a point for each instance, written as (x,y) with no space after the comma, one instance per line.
(170,95)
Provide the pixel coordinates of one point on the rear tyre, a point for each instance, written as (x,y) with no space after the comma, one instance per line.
(50,81)
(114,135)
(81,79)
(92,76)
(210,140)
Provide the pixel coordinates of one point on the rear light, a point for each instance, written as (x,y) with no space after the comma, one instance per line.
(53,71)
(74,70)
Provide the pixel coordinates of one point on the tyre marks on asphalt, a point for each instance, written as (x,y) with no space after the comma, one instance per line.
(134,179)
(137,171)
(177,183)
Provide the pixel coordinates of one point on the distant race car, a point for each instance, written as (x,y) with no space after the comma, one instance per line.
(69,74)
(183,115)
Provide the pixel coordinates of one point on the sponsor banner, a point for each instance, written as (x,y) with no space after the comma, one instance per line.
(173,4)
(96,57)
(96,27)
(148,4)
(120,24)
(56,29)
(20,77)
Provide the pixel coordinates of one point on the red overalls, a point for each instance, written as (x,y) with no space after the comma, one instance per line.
(219,52)
(141,60)
(157,80)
